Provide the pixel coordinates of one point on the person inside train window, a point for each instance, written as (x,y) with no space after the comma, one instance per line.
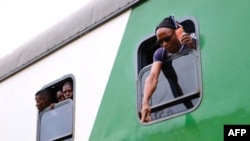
(68,90)
(43,99)
(59,98)
(59,95)
(172,39)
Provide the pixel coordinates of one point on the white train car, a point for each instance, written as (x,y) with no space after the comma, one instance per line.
(81,48)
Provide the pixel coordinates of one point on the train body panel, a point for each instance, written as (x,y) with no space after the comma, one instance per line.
(104,63)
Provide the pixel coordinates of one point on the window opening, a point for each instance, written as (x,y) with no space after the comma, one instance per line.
(179,86)
(56,121)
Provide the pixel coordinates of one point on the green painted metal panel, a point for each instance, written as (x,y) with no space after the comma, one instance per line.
(225,70)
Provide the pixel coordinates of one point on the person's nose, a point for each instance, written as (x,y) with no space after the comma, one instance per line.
(164,44)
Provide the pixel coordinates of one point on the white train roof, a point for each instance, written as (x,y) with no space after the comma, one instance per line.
(74,26)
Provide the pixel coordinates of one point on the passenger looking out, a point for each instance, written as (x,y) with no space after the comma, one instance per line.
(172,39)
(59,96)
(68,90)
(43,99)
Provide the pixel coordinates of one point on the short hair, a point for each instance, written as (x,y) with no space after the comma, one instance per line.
(68,83)
(44,93)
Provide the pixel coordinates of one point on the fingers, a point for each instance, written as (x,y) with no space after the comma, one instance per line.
(187,40)
(52,106)
(145,115)
(148,118)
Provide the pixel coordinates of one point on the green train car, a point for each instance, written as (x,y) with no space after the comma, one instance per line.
(105,50)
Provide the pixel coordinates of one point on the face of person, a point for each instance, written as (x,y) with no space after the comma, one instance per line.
(59,96)
(168,39)
(67,91)
(41,103)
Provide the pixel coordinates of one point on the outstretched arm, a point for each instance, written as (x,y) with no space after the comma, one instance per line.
(149,88)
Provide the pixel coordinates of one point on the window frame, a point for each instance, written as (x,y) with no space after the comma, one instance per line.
(147,46)
(55,85)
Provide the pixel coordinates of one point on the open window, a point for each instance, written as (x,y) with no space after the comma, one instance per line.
(177,93)
(57,124)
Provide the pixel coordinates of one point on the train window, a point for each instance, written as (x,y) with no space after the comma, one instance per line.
(56,122)
(179,86)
